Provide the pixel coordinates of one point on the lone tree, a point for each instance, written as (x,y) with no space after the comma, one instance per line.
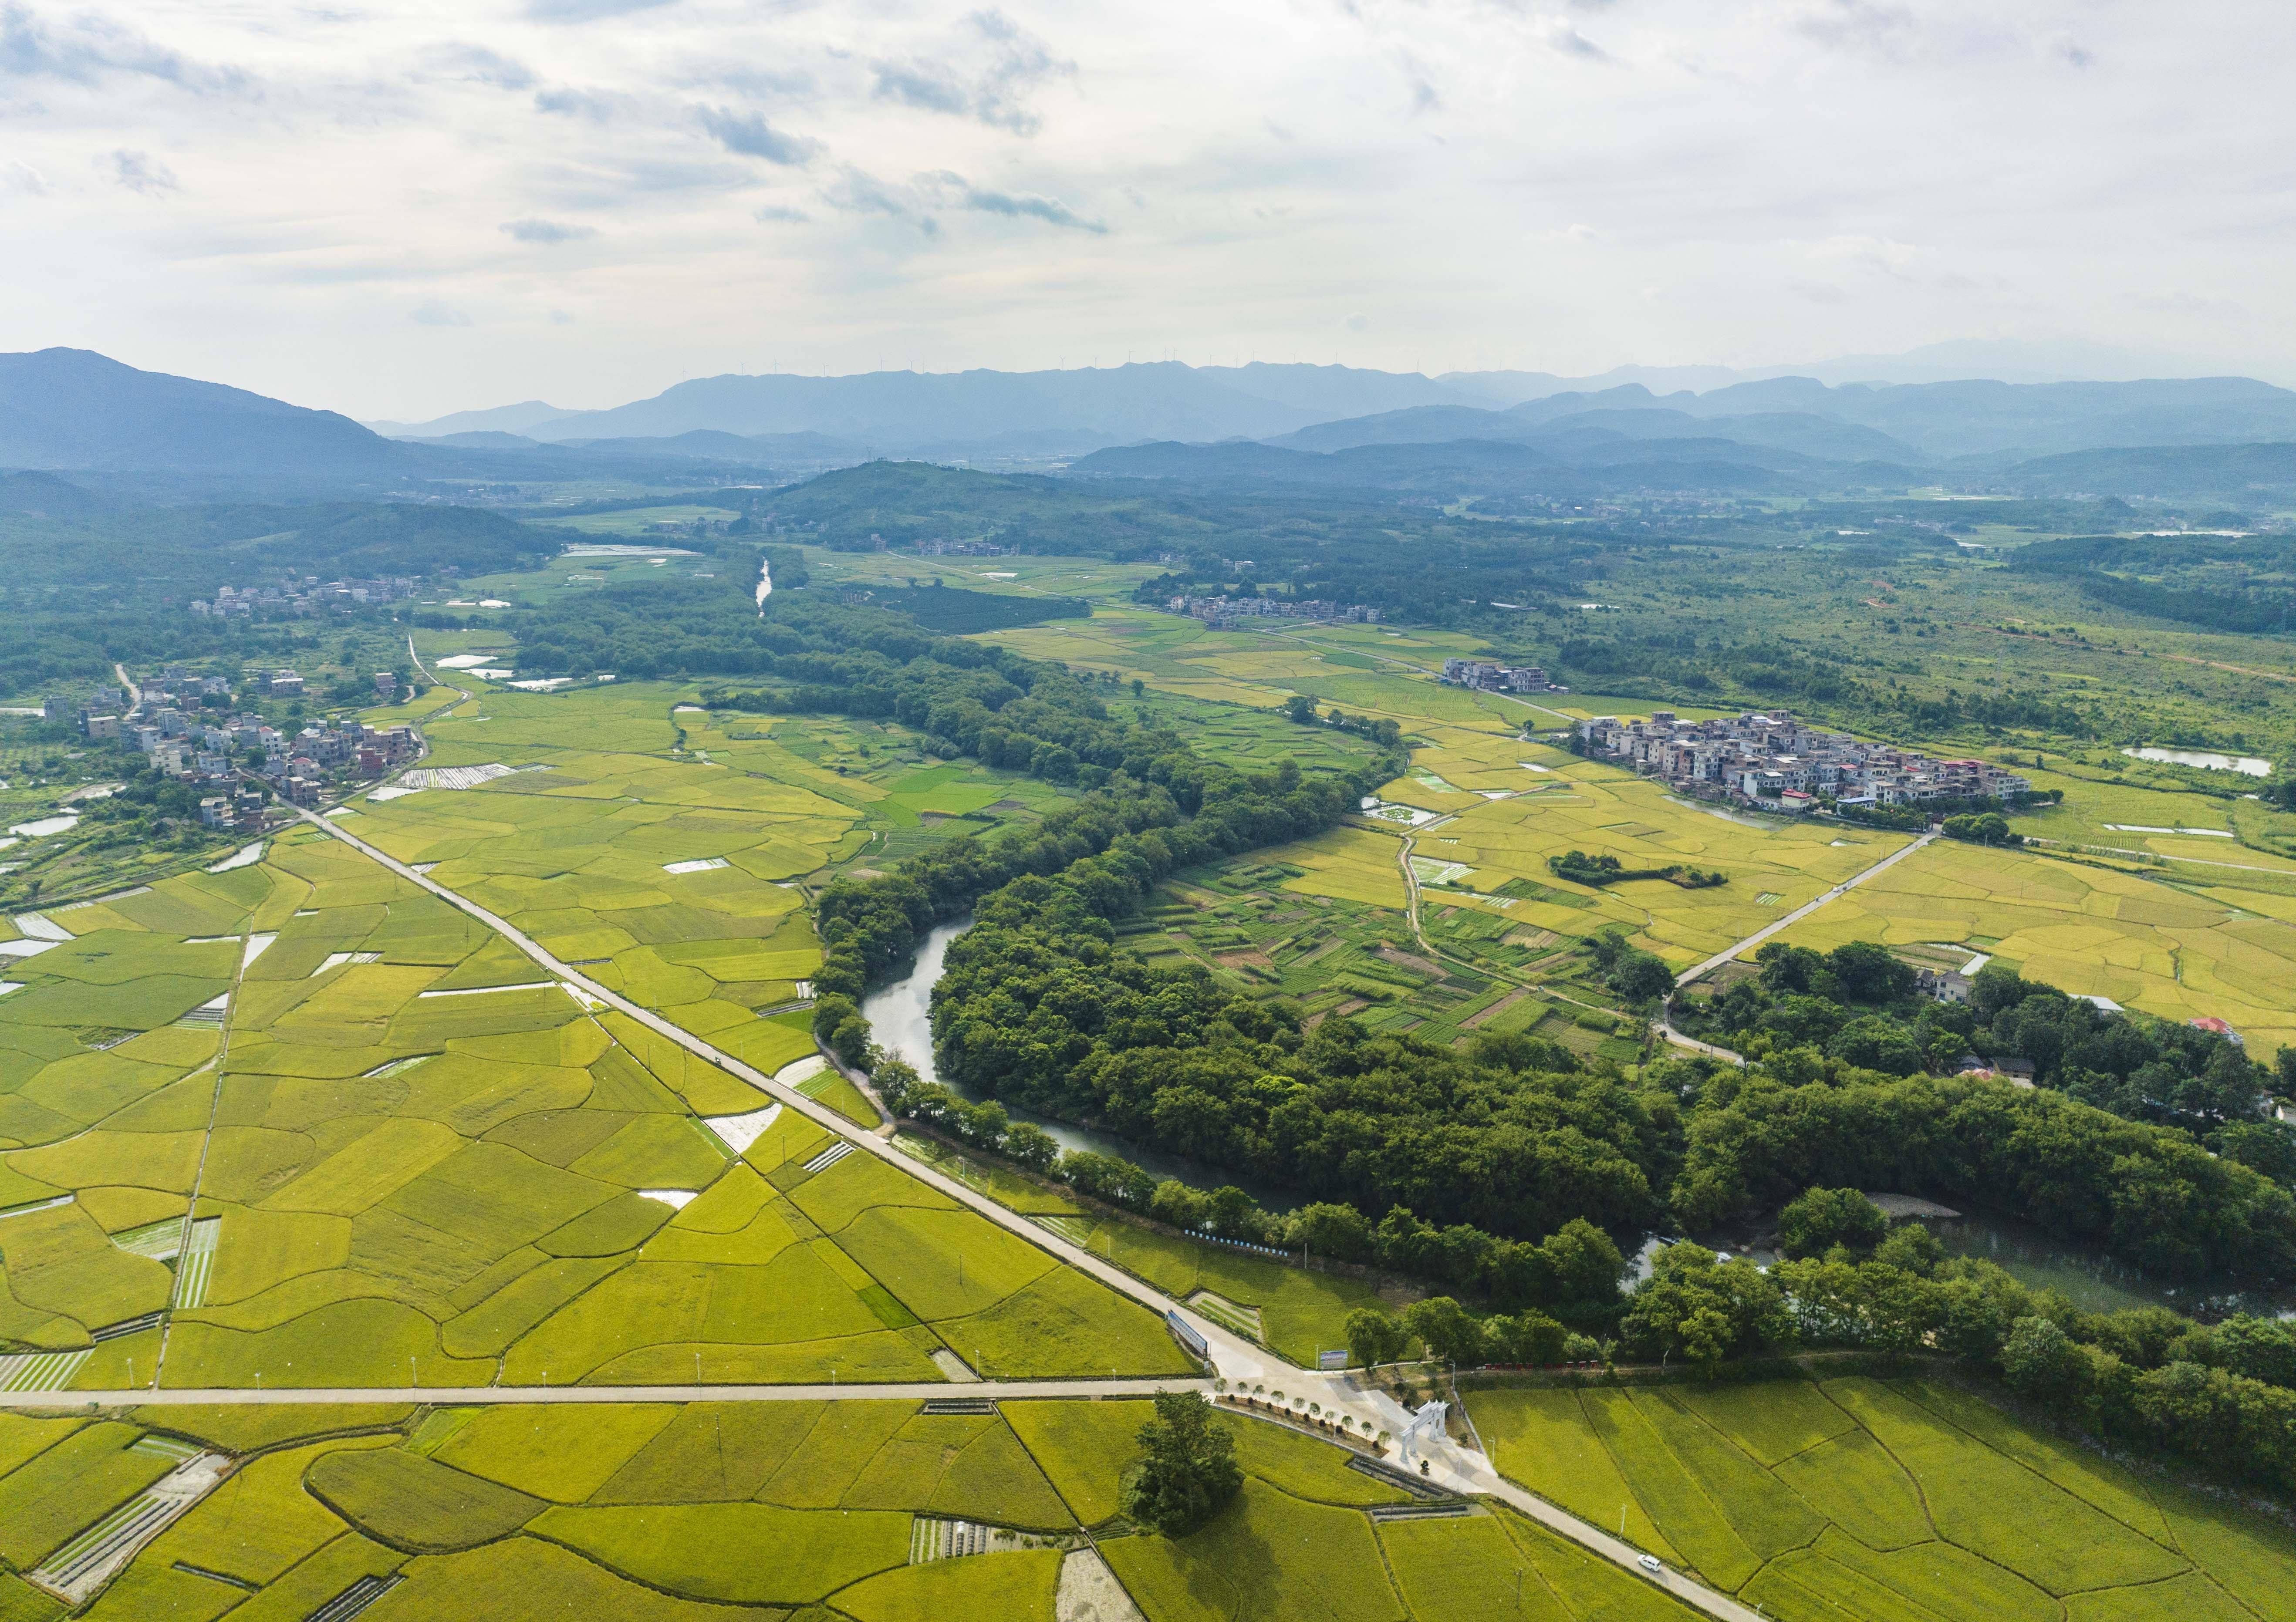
(1375,1337)
(1189,1472)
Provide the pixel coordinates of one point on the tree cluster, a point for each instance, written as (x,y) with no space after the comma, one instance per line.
(1856,1006)
(2221,1393)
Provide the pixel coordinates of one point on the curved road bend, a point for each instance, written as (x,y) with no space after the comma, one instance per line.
(1239,1361)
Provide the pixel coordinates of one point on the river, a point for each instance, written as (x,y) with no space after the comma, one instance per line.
(899,1016)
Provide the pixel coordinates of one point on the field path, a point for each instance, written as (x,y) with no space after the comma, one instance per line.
(1804,910)
(207,1143)
(2213,664)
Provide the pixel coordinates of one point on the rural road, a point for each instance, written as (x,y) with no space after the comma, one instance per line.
(1803,911)
(488,1395)
(1229,1350)
(1667,1033)
(1241,1363)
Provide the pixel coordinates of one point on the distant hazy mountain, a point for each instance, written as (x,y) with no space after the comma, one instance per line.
(1911,422)
(67,409)
(2058,360)
(1601,464)
(2228,470)
(497,419)
(46,496)
(152,436)
(1073,410)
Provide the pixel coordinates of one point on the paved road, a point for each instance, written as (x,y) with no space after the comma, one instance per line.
(1802,911)
(1229,1351)
(1667,1033)
(935,1391)
(1240,1361)
(2151,855)
(134,694)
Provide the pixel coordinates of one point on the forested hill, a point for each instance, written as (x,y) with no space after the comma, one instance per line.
(192,550)
(84,590)
(72,408)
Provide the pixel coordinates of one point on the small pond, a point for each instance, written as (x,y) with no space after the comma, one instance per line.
(2248,765)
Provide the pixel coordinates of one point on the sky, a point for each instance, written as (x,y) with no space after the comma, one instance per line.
(402,209)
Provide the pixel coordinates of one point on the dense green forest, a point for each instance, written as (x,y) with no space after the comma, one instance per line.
(1857,1005)
(2243,584)
(1037,1008)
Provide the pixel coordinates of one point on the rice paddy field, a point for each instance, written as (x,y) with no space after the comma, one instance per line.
(1309,1538)
(2179,941)
(668,850)
(1876,1501)
(302,1123)
(2181,903)
(863,1511)
(1321,927)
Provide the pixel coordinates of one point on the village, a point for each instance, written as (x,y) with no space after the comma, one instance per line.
(306,595)
(165,719)
(1773,762)
(1222,613)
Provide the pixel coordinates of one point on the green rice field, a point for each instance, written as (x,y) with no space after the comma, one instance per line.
(408,1156)
(866,1510)
(1873,1501)
(669,850)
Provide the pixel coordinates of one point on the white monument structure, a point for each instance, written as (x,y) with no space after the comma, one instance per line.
(1425,1423)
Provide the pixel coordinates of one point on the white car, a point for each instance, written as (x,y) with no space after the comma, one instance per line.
(1648,1563)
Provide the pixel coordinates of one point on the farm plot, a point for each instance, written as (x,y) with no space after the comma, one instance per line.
(1577,805)
(1302,1541)
(106,1054)
(662,847)
(667,1512)
(1876,1500)
(1319,926)
(1301,1313)
(394,1185)
(2204,945)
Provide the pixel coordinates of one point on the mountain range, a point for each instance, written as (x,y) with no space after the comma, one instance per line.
(133,433)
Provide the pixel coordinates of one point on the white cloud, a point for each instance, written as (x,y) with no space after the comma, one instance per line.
(945,184)
(748,134)
(987,67)
(547,232)
(139,172)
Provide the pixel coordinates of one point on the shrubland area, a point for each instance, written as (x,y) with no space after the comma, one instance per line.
(1272,908)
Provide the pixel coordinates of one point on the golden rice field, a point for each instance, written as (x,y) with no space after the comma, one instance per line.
(407,1155)
(2183,950)
(854,1511)
(666,849)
